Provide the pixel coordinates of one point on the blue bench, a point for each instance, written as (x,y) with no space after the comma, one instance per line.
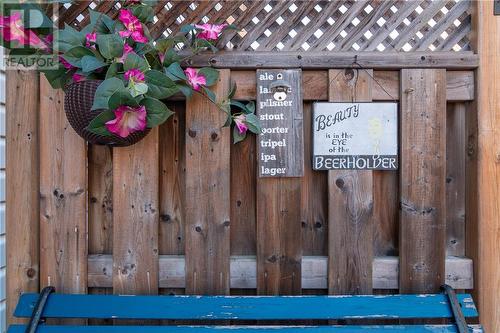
(448,305)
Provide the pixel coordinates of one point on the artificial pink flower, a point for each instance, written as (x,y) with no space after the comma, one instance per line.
(90,38)
(126,50)
(240,123)
(194,79)
(12,29)
(133,26)
(134,75)
(66,64)
(128,120)
(210,31)
(78,77)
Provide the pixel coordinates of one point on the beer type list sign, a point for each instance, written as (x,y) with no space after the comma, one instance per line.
(280,146)
(355,136)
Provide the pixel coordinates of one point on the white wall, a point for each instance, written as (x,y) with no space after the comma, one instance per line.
(2,195)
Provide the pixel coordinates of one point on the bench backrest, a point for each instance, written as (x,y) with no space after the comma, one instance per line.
(246,307)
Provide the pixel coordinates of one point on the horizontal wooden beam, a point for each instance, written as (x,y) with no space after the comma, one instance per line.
(327,60)
(243,272)
(459,86)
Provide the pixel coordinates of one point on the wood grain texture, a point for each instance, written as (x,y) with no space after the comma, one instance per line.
(100,173)
(455,178)
(314,273)
(207,194)
(172,181)
(314,201)
(488,46)
(385,87)
(22,186)
(325,60)
(63,197)
(350,202)
(243,198)
(279,248)
(423,173)
(135,217)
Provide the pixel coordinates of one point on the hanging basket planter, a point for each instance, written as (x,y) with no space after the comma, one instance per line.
(78,107)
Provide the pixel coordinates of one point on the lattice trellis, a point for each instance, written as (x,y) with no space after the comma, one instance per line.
(301,25)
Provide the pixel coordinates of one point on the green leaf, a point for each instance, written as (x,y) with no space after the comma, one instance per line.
(91,63)
(253,123)
(114,70)
(98,124)
(121,97)
(157,111)
(143,12)
(135,61)
(101,22)
(68,38)
(137,89)
(170,57)
(105,90)
(207,44)
(57,78)
(229,120)
(110,46)
(238,104)
(237,137)
(250,107)
(75,55)
(210,74)
(160,85)
(210,94)
(232,91)
(176,70)
(185,90)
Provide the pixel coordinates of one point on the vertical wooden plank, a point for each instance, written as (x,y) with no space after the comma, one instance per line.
(314,202)
(243,185)
(385,213)
(455,179)
(100,171)
(487,30)
(63,197)
(22,186)
(423,173)
(279,248)
(172,181)
(350,202)
(208,194)
(135,217)
(100,179)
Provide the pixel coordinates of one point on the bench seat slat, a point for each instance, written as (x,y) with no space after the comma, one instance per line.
(246,307)
(243,329)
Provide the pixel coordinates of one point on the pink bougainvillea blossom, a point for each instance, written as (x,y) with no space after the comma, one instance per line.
(194,79)
(12,29)
(78,77)
(210,31)
(134,75)
(240,123)
(127,49)
(90,38)
(133,26)
(128,120)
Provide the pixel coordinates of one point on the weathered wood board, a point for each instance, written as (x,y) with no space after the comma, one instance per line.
(207,194)
(280,146)
(423,174)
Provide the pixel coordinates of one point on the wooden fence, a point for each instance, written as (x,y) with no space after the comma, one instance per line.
(184,212)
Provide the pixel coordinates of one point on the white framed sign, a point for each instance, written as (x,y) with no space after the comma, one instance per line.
(355,136)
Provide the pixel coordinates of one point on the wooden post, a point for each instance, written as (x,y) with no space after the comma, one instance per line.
(423,173)
(485,247)
(63,197)
(22,186)
(350,202)
(207,194)
(135,217)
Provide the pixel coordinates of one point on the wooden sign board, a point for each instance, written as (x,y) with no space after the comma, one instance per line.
(280,146)
(355,136)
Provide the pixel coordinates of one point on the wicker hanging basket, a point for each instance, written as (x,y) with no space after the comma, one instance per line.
(78,104)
